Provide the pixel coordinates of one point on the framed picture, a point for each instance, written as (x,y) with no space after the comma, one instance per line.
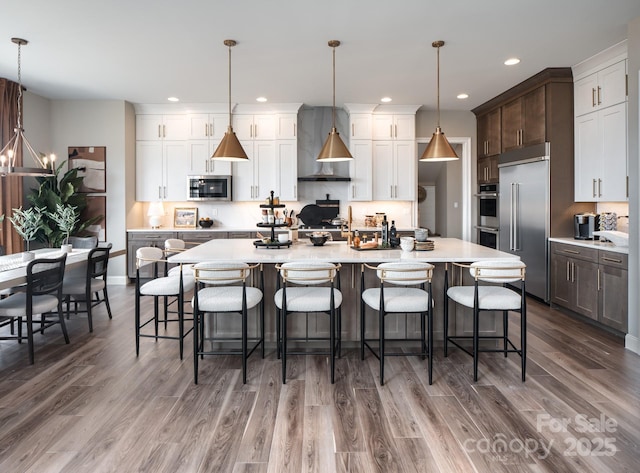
(90,161)
(96,205)
(185,217)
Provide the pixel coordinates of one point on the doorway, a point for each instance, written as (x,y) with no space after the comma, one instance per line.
(450,184)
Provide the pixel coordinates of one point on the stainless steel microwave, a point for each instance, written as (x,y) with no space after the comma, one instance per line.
(209,187)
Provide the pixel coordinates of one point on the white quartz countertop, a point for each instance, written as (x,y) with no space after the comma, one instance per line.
(195,229)
(596,244)
(446,250)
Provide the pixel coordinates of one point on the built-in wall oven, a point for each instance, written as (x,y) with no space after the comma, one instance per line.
(488,215)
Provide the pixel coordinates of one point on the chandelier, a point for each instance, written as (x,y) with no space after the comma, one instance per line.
(8,154)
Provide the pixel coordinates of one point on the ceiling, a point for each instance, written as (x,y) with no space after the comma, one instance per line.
(144,51)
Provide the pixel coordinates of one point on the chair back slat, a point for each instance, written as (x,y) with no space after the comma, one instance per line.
(308,272)
(83,242)
(148,255)
(220,273)
(405,273)
(498,271)
(98,261)
(45,275)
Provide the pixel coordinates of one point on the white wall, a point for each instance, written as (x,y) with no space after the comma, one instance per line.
(102,123)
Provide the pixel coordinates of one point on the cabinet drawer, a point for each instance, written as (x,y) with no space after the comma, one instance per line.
(201,237)
(611,258)
(574,251)
(242,235)
(151,237)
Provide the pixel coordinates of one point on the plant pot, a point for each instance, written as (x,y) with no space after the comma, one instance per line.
(28,256)
(66,248)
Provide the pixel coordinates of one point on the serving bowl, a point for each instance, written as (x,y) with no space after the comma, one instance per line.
(318,240)
(205,223)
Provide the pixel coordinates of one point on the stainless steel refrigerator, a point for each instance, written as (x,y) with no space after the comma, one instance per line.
(525,213)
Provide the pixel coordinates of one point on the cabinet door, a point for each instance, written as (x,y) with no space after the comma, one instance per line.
(494,172)
(561,287)
(404,127)
(149,170)
(585,279)
(383,170)
(361,171)
(148,127)
(613,85)
(243,127)
(584,94)
(198,126)
(511,124)
(613,161)
(174,127)
(587,163)
(405,171)
(177,165)
(360,126)
(483,170)
(243,188)
(287,126)
(287,158)
(534,122)
(382,127)
(613,297)
(265,169)
(489,133)
(264,127)
(200,161)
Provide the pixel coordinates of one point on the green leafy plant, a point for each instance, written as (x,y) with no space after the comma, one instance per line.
(27,223)
(66,218)
(55,190)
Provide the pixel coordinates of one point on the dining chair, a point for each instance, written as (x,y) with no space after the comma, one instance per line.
(83,242)
(82,289)
(403,288)
(493,295)
(303,287)
(221,288)
(175,285)
(42,296)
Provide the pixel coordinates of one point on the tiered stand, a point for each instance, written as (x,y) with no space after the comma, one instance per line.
(273,242)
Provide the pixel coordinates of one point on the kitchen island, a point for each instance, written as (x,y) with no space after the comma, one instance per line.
(447,250)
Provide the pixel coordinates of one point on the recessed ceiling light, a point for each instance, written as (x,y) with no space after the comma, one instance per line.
(463,96)
(512,61)
(385,99)
(173,99)
(261,99)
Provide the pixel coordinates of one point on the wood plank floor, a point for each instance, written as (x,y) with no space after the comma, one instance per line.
(92,406)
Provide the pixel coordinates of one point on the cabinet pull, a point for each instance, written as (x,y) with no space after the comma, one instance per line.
(391,191)
(159,131)
(573,252)
(598,279)
(390,131)
(593,188)
(353,191)
(255,130)
(599,98)
(206,129)
(294,129)
(395,191)
(295,191)
(396,131)
(593,97)
(159,192)
(353,130)
(164,131)
(599,187)
(568,271)
(573,272)
(611,260)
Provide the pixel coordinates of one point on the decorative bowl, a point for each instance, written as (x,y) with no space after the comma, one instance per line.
(205,223)
(318,240)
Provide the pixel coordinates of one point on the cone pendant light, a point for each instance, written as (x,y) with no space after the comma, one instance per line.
(230,148)
(334,149)
(438,148)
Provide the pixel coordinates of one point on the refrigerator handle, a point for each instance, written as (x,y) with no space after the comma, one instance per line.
(512,195)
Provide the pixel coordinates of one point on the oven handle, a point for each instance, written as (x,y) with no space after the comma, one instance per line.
(487,195)
(488,229)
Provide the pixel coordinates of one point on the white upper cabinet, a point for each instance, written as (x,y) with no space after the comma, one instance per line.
(287,126)
(207,126)
(161,127)
(601,89)
(161,170)
(361,171)
(394,127)
(200,161)
(360,126)
(255,178)
(394,170)
(254,127)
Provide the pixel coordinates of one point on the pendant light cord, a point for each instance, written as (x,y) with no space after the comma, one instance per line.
(438,85)
(334,87)
(229,85)
(19,85)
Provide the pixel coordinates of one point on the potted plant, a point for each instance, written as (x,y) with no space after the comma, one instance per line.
(61,188)
(27,223)
(66,219)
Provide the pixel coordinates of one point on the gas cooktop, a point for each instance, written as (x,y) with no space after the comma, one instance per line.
(322,226)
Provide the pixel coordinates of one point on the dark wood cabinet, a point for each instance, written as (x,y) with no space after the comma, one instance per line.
(137,240)
(590,282)
(488,170)
(489,134)
(523,120)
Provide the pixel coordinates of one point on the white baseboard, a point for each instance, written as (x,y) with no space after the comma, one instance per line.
(632,343)
(118,280)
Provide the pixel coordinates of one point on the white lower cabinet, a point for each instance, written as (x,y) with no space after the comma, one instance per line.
(253,179)
(601,155)
(394,170)
(161,170)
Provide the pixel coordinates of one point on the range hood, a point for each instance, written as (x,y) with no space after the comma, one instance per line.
(324,174)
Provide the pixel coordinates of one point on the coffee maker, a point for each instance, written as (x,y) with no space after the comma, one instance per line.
(584,225)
